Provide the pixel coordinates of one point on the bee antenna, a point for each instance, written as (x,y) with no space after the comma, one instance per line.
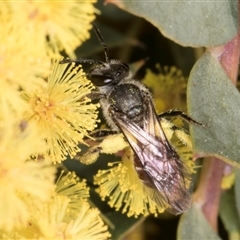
(100,38)
(80,61)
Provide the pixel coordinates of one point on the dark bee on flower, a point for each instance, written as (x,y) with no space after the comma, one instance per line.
(128,107)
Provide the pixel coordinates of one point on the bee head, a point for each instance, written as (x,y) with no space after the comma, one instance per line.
(104,74)
(108,73)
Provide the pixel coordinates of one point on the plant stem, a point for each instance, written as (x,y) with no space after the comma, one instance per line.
(209,190)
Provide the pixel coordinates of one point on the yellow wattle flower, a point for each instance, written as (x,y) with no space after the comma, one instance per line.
(61,111)
(21,178)
(55,26)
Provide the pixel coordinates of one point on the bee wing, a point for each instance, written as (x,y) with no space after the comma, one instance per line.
(157,163)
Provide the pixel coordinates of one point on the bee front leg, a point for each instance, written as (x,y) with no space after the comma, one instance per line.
(95,95)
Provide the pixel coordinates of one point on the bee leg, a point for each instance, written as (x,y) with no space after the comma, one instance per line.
(184,116)
(90,156)
(95,95)
(171,129)
(100,134)
(183,136)
(110,144)
(94,140)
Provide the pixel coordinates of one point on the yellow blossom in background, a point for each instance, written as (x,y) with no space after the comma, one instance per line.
(11,105)
(11,236)
(44,121)
(61,111)
(49,222)
(69,185)
(20,177)
(168,88)
(21,64)
(55,26)
(228,180)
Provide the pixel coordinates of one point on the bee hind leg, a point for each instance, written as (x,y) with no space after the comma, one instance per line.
(108,141)
(100,134)
(178,113)
(94,151)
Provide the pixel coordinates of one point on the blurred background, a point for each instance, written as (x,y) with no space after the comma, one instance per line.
(130,39)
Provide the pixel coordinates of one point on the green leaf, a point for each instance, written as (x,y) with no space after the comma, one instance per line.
(237,189)
(214,100)
(122,224)
(190,23)
(193,225)
(228,212)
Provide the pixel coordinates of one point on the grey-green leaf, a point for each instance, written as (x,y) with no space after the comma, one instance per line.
(190,23)
(215,101)
(228,212)
(237,189)
(193,225)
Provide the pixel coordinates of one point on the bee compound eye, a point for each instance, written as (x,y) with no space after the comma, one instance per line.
(100,80)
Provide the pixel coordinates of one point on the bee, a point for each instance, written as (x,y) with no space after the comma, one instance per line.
(128,108)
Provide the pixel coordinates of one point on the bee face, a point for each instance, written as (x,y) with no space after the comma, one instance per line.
(108,74)
(127,106)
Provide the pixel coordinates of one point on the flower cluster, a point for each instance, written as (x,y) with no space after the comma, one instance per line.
(61,111)
(44,115)
(168,87)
